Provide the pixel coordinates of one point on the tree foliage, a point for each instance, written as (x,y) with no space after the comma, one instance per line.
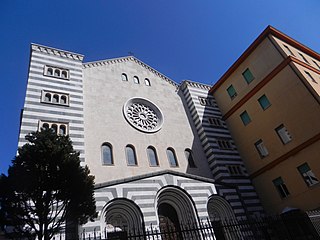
(46,188)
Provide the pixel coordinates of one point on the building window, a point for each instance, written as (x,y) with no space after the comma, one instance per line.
(59,128)
(232,92)
(224,144)
(172,157)
(56,72)
(217,122)
(307,175)
(245,118)
(189,156)
(152,156)
(281,187)
(206,101)
(316,63)
(303,57)
(310,77)
(55,98)
(136,80)
(262,150)
(124,77)
(106,153)
(147,82)
(283,134)
(289,50)
(264,102)
(131,155)
(248,76)
(235,170)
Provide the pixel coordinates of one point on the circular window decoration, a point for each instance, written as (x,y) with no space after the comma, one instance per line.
(143,115)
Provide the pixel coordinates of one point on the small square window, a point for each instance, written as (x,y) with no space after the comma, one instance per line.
(307,175)
(248,75)
(283,134)
(264,102)
(245,118)
(281,187)
(232,92)
(261,148)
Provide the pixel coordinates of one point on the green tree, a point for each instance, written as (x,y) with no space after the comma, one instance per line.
(46,188)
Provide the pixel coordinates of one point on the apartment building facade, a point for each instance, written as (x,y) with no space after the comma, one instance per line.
(270,99)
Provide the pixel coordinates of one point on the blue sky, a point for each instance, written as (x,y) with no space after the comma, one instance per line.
(183,39)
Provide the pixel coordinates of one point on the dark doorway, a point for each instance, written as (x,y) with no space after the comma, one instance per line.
(169,222)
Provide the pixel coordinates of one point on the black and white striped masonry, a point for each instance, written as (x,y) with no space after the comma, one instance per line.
(224,160)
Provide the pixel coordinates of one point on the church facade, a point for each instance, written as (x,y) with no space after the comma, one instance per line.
(159,150)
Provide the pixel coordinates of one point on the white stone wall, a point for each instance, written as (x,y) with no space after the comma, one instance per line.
(104,96)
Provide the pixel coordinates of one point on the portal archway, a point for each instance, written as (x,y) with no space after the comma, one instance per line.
(123,214)
(219,209)
(180,204)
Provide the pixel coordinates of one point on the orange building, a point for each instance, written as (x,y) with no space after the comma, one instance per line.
(270,99)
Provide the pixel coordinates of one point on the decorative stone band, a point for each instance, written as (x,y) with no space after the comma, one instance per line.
(143,115)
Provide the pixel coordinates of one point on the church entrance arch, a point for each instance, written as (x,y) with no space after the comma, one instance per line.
(175,208)
(123,215)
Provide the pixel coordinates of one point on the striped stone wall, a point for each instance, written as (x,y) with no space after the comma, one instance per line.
(224,160)
(143,190)
(35,110)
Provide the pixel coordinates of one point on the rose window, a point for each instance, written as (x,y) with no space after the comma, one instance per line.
(143,115)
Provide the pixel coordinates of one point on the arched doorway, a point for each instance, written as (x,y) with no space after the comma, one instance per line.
(123,215)
(169,221)
(175,210)
(218,210)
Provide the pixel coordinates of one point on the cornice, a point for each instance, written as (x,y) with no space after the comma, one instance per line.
(57,52)
(128,59)
(186,83)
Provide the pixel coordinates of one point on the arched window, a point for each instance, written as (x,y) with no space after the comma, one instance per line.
(45,126)
(172,157)
(189,157)
(106,153)
(47,97)
(152,156)
(57,73)
(124,77)
(63,100)
(62,130)
(136,80)
(147,82)
(55,98)
(64,74)
(50,71)
(131,155)
(54,127)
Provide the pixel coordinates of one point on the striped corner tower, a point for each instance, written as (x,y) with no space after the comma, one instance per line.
(226,165)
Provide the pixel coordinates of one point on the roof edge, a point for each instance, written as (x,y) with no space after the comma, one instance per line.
(268,30)
(56,51)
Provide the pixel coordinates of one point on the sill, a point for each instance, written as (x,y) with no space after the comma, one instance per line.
(56,77)
(107,165)
(266,107)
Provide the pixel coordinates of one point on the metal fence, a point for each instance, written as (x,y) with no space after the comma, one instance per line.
(289,226)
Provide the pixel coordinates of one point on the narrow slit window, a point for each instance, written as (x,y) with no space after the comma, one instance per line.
(147,82)
(107,155)
(62,130)
(303,57)
(131,155)
(136,80)
(261,148)
(152,156)
(124,77)
(172,157)
(189,156)
(47,97)
(55,98)
(57,73)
